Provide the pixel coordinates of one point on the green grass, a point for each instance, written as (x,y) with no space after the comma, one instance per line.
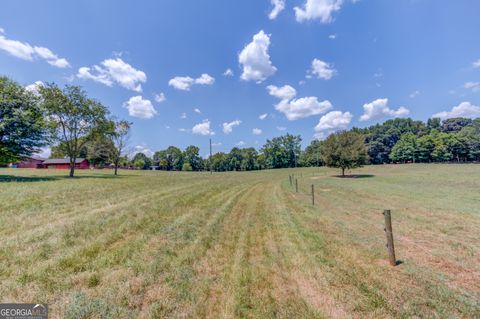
(242,245)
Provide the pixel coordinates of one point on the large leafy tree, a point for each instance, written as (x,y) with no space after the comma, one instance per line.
(405,149)
(311,155)
(345,150)
(119,137)
(75,119)
(141,161)
(381,138)
(282,151)
(192,157)
(22,126)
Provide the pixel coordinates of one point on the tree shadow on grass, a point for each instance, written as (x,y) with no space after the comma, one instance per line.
(35,178)
(22,179)
(355,176)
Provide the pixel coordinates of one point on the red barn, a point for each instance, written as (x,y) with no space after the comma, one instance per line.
(64,163)
(30,162)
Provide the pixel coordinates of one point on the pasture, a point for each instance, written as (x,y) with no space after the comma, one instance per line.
(242,244)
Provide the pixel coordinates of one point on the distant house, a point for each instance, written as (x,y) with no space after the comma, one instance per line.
(64,163)
(30,162)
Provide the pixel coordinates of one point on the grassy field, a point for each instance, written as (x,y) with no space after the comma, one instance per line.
(242,245)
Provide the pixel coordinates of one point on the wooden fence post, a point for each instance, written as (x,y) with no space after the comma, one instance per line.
(296,185)
(313,195)
(389,233)
(290,179)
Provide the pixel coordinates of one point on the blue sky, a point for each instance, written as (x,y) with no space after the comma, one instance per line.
(313,67)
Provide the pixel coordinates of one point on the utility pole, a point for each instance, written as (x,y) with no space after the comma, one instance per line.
(211,172)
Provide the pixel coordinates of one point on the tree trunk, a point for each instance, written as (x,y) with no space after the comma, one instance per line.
(72,168)
(116,168)
(343,172)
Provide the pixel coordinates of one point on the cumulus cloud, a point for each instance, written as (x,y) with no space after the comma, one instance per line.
(255,59)
(44,152)
(379,108)
(303,107)
(295,109)
(228,72)
(474,86)
(278,6)
(256,131)
(476,64)
(203,128)
(111,71)
(26,51)
(228,126)
(140,107)
(33,88)
(184,83)
(333,121)
(263,116)
(322,70)
(159,98)
(285,92)
(318,9)
(332,36)
(143,149)
(464,109)
(197,110)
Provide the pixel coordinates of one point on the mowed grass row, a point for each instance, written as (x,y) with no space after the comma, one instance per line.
(242,245)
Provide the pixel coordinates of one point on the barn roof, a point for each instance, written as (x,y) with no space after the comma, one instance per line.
(62,161)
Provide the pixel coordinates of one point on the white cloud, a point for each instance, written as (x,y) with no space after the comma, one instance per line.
(44,152)
(202,128)
(464,109)
(205,79)
(139,107)
(183,115)
(33,88)
(228,72)
(184,83)
(281,128)
(159,98)
(285,92)
(143,149)
(295,109)
(334,120)
(183,130)
(263,116)
(278,6)
(228,127)
(332,36)
(318,9)
(256,131)
(197,110)
(322,69)
(181,82)
(113,71)
(255,59)
(379,108)
(240,143)
(474,86)
(25,51)
(216,144)
(414,94)
(303,107)
(476,64)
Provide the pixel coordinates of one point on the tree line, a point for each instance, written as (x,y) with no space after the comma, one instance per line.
(66,118)
(78,126)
